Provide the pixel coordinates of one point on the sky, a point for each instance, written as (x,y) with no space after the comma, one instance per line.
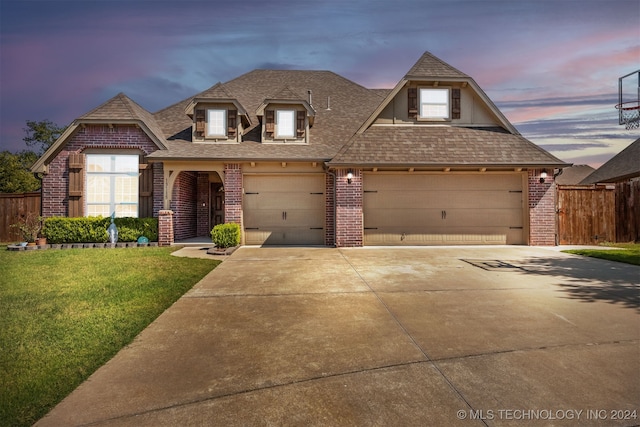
(551,66)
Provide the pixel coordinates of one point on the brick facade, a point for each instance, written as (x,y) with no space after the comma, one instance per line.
(542,211)
(349,214)
(233,193)
(183,205)
(330,211)
(55,183)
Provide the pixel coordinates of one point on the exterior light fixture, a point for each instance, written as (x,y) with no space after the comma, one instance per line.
(349,176)
(543,176)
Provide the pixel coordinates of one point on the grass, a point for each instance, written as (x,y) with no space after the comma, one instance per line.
(63,314)
(628,253)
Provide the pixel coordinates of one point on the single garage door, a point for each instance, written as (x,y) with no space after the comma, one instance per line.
(284,209)
(443,209)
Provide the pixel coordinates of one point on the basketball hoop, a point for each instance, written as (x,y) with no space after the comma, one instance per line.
(629,114)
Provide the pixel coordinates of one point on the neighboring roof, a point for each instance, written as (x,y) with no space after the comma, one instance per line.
(442,146)
(573,174)
(118,110)
(624,165)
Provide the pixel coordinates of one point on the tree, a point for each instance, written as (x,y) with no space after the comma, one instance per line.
(41,135)
(15,176)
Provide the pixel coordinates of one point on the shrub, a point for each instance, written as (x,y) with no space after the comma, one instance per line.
(226,235)
(94,229)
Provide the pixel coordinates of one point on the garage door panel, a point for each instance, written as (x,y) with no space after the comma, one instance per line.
(284,209)
(443,209)
(442,182)
(283,201)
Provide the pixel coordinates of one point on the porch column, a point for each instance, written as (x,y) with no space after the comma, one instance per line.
(165,228)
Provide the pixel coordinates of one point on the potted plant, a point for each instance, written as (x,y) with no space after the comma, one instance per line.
(29,226)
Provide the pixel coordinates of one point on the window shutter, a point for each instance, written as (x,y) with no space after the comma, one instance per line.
(145,190)
(455,103)
(231,123)
(412,96)
(200,122)
(76,184)
(300,123)
(269,122)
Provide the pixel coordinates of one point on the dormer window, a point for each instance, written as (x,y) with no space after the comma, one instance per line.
(216,122)
(434,104)
(285,123)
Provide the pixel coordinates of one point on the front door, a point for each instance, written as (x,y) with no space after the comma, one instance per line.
(217,204)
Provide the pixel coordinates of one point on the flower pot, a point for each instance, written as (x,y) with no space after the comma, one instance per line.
(41,241)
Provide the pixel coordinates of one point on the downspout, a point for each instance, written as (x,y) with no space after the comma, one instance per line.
(39,177)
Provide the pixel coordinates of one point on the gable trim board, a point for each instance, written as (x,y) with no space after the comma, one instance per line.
(413,180)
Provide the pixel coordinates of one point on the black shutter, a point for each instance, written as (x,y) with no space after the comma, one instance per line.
(455,103)
(412,96)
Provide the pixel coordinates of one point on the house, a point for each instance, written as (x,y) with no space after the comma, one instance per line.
(312,158)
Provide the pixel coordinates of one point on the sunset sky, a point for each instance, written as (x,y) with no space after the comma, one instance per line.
(551,66)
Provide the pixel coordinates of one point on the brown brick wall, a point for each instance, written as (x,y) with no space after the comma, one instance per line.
(233,193)
(349,215)
(183,205)
(329,221)
(542,213)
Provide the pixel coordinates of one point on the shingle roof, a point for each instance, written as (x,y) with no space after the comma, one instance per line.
(350,105)
(625,164)
(444,146)
(574,174)
(429,66)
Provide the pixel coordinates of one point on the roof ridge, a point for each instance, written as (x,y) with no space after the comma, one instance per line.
(429,65)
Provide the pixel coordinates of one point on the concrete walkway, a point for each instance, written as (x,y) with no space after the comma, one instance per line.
(458,336)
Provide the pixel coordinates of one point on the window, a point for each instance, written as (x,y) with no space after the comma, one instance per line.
(285,123)
(112,185)
(434,103)
(216,122)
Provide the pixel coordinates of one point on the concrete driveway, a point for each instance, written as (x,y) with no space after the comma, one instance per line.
(456,336)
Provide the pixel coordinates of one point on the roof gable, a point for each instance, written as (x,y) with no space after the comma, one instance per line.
(119,109)
(435,71)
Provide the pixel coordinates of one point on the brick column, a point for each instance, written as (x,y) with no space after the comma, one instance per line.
(330,209)
(233,193)
(349,216)
(542,209)
(165,228)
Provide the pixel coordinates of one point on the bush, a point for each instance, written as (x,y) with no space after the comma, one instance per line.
(94,229)
(226,235)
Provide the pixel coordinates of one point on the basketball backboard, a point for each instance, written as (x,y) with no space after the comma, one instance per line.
(629,100)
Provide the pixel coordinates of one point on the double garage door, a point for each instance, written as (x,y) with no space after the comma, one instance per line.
(443,209)
(284,209)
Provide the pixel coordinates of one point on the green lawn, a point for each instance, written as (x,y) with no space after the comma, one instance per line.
(64,313)
(625,252)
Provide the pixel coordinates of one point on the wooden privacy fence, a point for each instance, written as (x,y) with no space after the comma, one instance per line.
(586,214)
(12,207)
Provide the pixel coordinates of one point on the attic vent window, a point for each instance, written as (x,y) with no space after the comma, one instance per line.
(434,103)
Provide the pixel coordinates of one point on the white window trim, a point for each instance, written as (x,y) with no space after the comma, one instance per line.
(444,106)
(281,115)
(211,132)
